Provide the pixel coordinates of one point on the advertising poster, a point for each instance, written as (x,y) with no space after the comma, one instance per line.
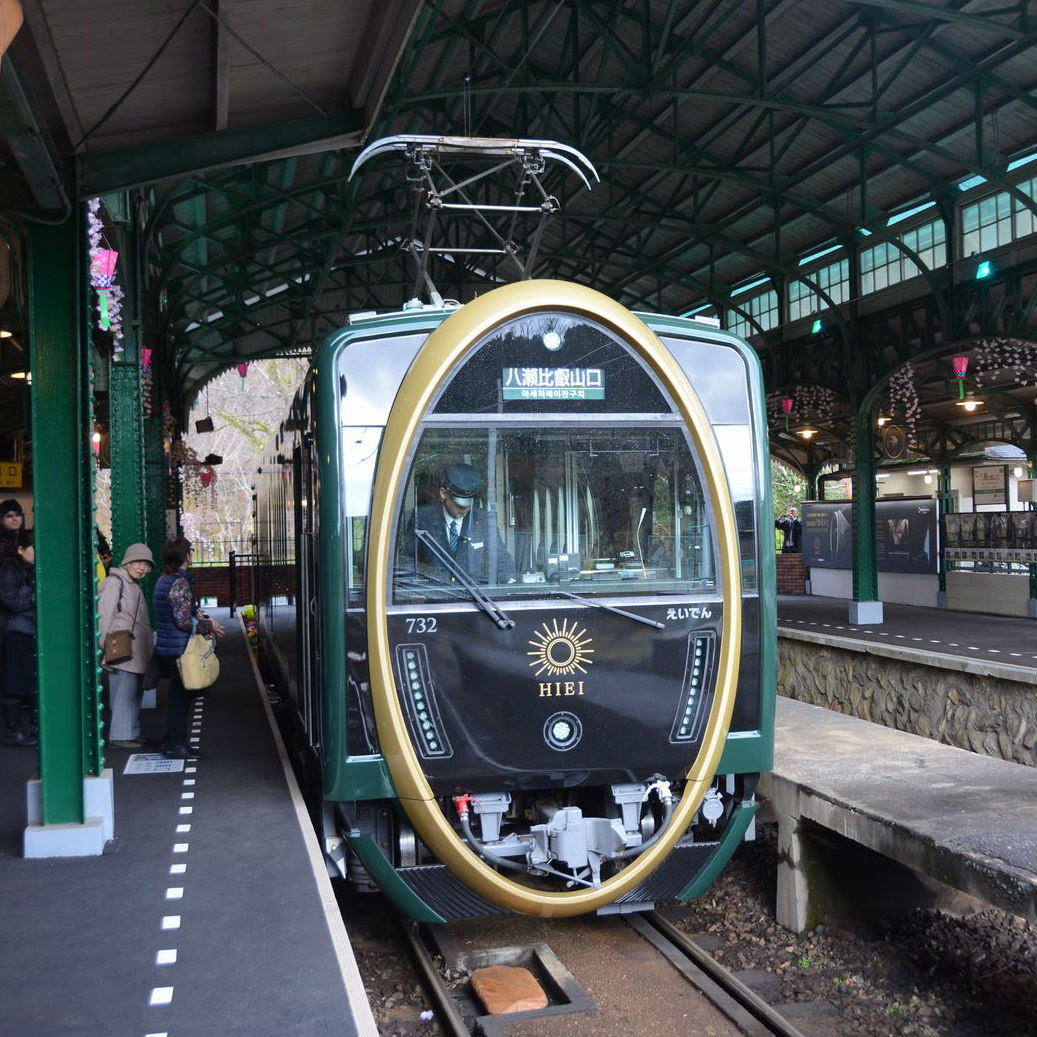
(827,534)
(988,485)
(905,535)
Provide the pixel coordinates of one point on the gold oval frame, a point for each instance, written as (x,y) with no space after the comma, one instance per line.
(430,368)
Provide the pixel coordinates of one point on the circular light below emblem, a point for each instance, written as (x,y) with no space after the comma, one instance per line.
(562,731)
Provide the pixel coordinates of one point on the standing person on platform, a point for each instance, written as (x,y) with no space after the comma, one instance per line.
(122,607)
(792,528)
(176,617)
(18,632)
(12,519)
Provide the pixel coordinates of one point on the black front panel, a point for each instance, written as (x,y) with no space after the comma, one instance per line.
(567,697)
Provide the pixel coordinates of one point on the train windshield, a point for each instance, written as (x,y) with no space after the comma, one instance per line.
(536,509)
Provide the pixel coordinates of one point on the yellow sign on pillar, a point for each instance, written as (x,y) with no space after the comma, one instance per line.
(10,474)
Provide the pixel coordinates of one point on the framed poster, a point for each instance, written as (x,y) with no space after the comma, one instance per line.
(906,535)
(989,483)
(828,534)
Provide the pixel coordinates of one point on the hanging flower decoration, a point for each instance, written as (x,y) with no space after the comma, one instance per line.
(146,381)
(786,408)
(243,371)
(1005,354)
(903,397)
(102,278)
(960,365)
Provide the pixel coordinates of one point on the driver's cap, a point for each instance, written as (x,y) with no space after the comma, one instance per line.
(462,482)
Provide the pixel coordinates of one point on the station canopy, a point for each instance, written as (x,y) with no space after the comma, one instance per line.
(731,138)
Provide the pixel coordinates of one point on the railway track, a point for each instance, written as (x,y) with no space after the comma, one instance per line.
(457,1011)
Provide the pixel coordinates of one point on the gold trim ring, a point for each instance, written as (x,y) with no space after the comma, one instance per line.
(427,374)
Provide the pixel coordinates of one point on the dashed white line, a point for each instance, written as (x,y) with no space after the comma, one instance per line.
(170,921)
(183,828)
(161,996)
(187,810)
(166,957)
(187,795)
(175,893)
(181,847)
(177,869)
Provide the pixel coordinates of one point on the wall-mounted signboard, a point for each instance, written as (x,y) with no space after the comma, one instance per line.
(906,535)
(989,484)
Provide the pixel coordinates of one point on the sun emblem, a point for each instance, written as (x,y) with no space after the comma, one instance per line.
(561,649)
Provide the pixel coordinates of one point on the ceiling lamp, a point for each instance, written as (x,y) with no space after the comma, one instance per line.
(969,404)
(806,433)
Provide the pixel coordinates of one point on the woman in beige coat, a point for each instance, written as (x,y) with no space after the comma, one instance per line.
(122,607)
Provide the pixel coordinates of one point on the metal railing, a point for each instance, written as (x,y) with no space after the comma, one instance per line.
(236,560)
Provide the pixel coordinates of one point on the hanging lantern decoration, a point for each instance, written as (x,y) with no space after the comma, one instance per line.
(786,408)
(102,276)
(961,365)
(243,371)
(145,358)
(205,476)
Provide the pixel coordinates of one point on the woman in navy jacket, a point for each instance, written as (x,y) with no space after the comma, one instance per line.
(176,618)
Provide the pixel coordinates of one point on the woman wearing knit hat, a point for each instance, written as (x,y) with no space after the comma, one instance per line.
(122,607)
(12,518)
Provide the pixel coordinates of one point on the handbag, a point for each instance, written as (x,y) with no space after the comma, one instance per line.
(118,644)
(199,665)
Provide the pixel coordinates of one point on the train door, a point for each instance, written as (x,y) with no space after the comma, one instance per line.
(309,653)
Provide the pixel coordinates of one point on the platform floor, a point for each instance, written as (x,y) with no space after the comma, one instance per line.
(208,913)
(968,635)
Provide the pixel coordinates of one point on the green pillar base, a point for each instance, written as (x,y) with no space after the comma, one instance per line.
(866,612)
(72,840)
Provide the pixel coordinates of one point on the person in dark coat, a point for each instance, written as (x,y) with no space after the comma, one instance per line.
(18,632)
(792,529)
(176,616)
(12,519)
(468,533)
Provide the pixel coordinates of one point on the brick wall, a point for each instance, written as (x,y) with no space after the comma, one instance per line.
(214,582)
(791,574)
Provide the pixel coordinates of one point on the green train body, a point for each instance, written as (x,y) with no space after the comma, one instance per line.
(567,707)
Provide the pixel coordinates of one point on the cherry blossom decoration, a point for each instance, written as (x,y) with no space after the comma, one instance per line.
(102,278)
(1005,354)
(903,397)
(146,381)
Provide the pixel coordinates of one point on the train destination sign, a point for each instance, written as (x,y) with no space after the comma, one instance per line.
(553,383)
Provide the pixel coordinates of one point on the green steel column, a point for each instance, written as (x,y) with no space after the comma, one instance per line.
(865,573)
(125,406)
(66,612)
(129,513)
(946,505)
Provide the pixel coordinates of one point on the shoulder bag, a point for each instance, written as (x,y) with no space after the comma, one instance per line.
(199,665)
(118,644)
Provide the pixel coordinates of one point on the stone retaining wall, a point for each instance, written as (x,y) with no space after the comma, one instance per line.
(985,712)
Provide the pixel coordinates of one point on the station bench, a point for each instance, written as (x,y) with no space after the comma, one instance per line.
(965,820)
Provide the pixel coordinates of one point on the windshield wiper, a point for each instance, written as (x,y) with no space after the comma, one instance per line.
(611,608)
(486,603)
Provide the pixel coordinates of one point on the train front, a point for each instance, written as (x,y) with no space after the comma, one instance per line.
(551,618)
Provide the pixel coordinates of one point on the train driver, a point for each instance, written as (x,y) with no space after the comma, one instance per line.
(469,533)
